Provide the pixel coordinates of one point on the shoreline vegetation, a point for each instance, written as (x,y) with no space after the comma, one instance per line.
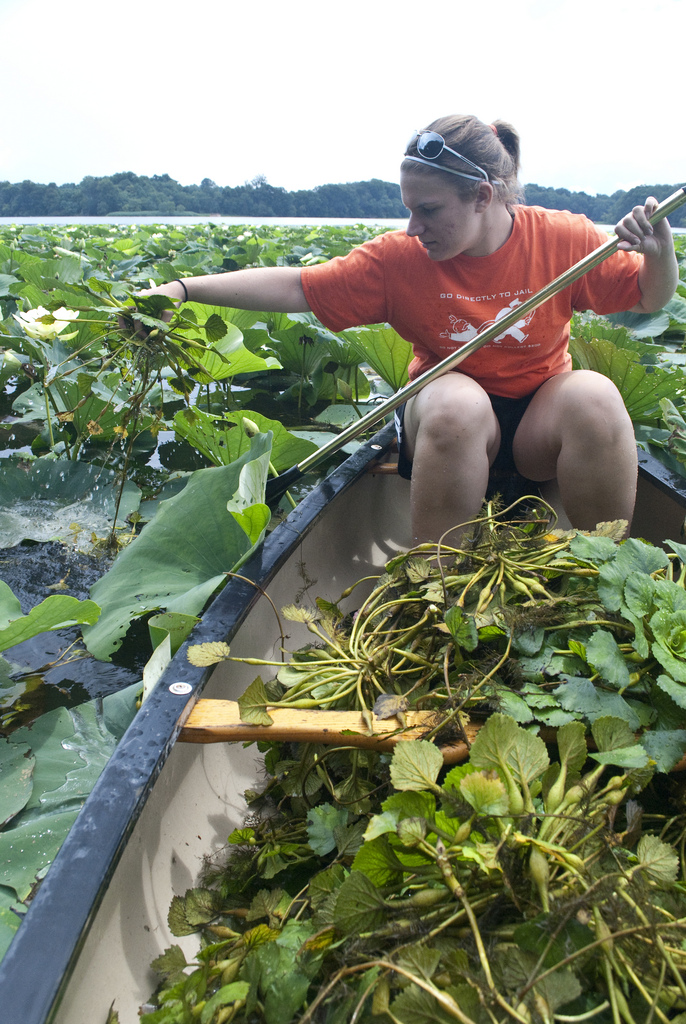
(128,194)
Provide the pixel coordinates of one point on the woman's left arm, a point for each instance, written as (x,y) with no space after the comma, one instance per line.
(659,273)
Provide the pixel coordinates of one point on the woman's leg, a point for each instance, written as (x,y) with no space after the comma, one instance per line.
(452,436)
(578,430)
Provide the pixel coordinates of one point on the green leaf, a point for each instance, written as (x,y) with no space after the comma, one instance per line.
(595,550)
(349,838)
(215,328)
(16,772)
(253,521)
(240,836)
(415,765)
(202,905)
(420,960)
(170,962)
(624,757)
(325,883)
(381,824)
(454,778)
(485,795)
(10,606)
(501,742)
(659,860)
(415,1005)
(676,690)
(285,995)
(360,907)
(384,350)
(379,862)
(11,914)
(321,823)
(176,918)
(641,387)
(665,747)
(253,703)
(643,325)
(462,628)
(224,439)
(511,704)
(581,696)
(170,566)
(56,612)
(174,625)
(571,744)
(538,936)
(669,646)
(226,995)
(70,749)
(612,733)
(639,593)
(632,556)
(605,657)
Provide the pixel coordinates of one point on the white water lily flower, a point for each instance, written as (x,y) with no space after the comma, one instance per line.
(32,325)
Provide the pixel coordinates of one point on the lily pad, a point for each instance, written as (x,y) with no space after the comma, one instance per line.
(181,557)
(70,748)
(16,771)
(223,439)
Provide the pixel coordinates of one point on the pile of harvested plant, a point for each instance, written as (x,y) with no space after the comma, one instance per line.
(524,885)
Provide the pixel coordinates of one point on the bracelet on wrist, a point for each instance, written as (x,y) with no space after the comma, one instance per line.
(177,280)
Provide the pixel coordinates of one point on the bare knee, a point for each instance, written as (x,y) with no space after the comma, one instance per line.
(596,413)
(578,411)
(451,415)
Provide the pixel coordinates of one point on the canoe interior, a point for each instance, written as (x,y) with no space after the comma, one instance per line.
(100,916)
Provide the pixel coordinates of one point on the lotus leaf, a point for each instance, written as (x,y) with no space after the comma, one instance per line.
(169,567)
(70,748)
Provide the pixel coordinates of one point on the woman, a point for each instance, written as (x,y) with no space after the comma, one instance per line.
(469,254)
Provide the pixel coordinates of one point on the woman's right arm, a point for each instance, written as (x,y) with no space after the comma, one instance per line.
(266,289)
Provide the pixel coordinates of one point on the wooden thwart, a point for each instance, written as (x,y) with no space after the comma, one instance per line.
(217,721)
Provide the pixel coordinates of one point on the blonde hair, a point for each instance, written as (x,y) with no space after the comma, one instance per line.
(494,147)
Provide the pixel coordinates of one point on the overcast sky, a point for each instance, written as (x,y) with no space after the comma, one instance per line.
(307,92)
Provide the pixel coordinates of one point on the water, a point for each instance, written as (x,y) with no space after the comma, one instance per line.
(208,219)
(252,221)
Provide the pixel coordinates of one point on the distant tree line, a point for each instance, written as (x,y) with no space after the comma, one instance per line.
(160,195)
(129,193)
(601,208)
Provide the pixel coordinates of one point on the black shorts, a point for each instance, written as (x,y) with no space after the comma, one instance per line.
(509,413)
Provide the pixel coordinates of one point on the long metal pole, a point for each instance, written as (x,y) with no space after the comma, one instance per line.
(666,207)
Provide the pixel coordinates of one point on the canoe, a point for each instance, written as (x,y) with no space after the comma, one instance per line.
(162,805)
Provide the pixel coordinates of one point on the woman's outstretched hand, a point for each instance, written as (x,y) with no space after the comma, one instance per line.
(171,290)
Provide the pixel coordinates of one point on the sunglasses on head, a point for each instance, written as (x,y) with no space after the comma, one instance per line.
(430,145)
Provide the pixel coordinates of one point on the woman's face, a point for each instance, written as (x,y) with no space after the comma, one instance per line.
(445,224)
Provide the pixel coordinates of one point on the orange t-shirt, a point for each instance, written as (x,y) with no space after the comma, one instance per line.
(439,306)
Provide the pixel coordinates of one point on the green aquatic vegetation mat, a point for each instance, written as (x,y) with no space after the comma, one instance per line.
(512,887)
(516,886)
(547,626)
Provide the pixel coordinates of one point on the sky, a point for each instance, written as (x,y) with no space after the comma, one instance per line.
(307,92)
